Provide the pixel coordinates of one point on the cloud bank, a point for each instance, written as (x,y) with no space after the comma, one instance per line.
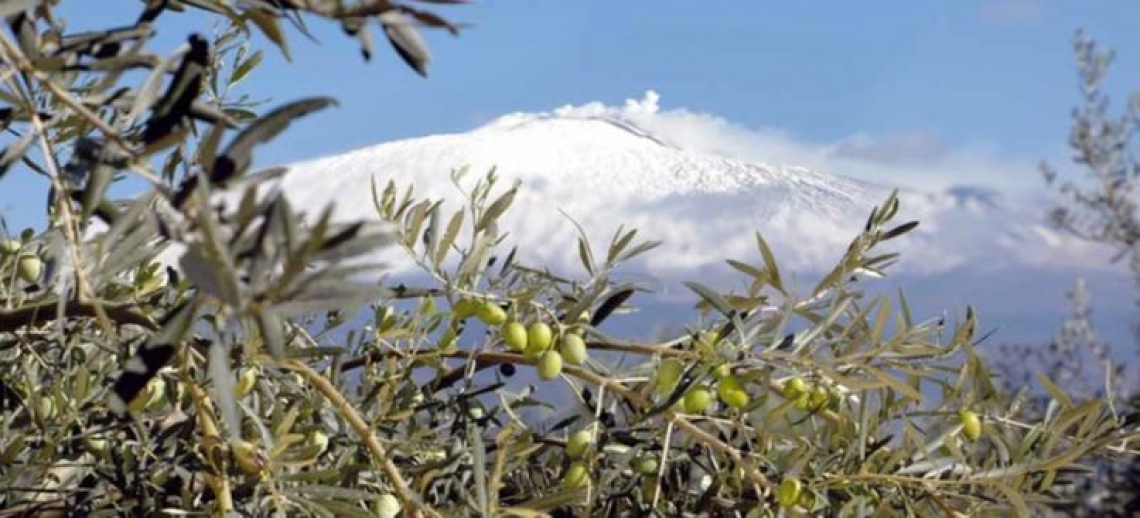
(917,159)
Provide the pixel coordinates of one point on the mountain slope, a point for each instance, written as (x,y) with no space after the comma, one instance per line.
(604,167)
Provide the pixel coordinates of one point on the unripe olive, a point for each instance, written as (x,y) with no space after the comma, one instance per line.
(245,382)
(578,443)
(722,371)
(491,314)
(573,349)
(697,400)
(248,457)
(737,399)
(807,500)
(668,374)
(387,506)
(319,439)
(819,397)
(971,424)
(576,476)
(803,402)
(549,365)
(645,465)
(539,336)
(794,388)
(514,335)
(30,268)
(465,308)
(788,493)
(732,393)
(9,246)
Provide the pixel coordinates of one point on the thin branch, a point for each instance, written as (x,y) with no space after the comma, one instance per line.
(364,431)
(12,319)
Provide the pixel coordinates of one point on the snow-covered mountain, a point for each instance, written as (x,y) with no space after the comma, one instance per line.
(605,166)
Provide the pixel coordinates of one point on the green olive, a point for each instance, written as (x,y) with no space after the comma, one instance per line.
(248,457)
(788,493)
(549,365)
(668,374)
(9,246)
(387,506)
(491,314)
(576,476)
(819,397)
(794,388)
(319,439)
(245,382)
(732,393)
(646,465)
(807,500)
(465,308)
(539,336)
(514,335)
(578,443)
(697,400)
(573,349)
(971,425)
(30,268)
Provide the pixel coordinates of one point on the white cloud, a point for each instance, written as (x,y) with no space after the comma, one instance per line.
(912,147)
(917,159)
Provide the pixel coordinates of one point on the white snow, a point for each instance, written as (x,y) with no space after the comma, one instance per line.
(606,166)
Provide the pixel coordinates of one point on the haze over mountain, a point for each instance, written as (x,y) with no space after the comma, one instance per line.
(635,165)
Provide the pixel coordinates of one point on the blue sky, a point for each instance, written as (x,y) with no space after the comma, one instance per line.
(996,77)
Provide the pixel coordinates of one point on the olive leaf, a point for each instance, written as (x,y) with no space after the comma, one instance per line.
(173,108)
(236,157)
(609,305)
(153,355)
(15,151)
(406,40)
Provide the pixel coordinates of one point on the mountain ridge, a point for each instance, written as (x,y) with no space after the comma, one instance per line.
(605,166)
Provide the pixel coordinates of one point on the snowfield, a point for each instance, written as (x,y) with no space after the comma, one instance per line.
(605,166)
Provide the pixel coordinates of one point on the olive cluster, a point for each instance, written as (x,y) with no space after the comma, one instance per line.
(698,397)
(535,340)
